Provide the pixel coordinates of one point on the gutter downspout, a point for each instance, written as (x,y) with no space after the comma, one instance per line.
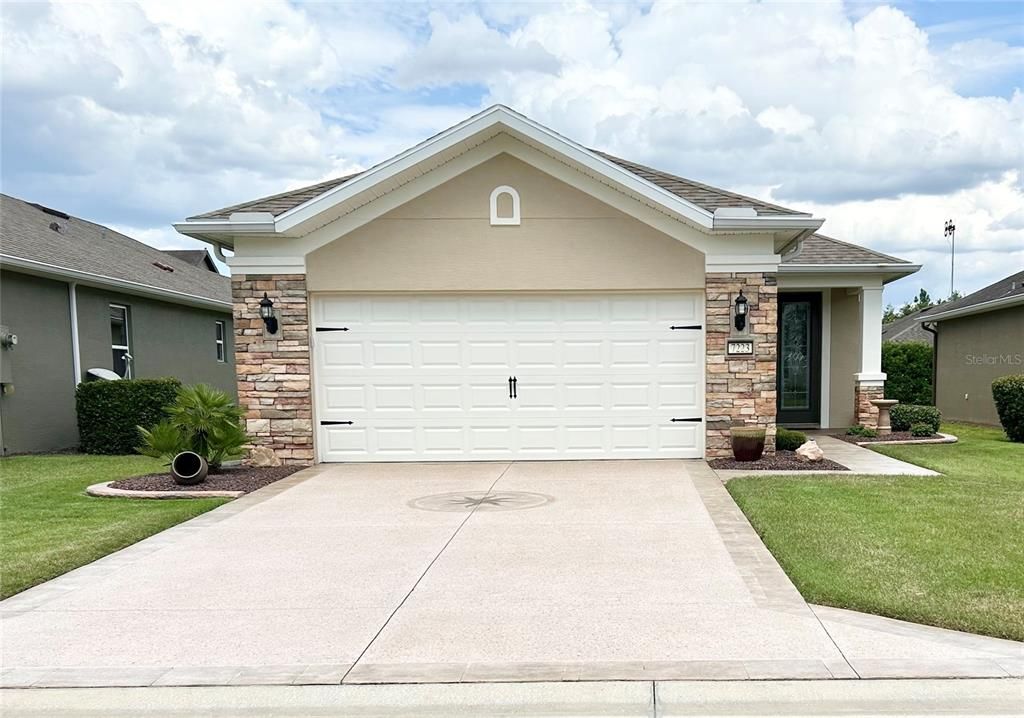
(930,328)
(76,358)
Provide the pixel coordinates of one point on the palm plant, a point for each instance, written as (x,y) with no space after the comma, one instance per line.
(201,419)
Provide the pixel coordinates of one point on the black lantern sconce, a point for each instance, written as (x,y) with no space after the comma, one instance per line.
(267,314)
(741,312)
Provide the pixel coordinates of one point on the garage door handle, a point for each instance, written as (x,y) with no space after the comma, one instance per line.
(335,423)
(695,419)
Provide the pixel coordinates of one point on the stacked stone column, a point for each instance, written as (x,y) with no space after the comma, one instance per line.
(740,390)
(273,370)
(864,392)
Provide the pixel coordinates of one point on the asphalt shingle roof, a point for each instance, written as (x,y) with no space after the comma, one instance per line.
(195,257)
(816,249)
(908,328)
(1012,286)
(79,245)
(819,249)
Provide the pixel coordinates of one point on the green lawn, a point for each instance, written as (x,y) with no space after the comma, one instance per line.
(48,525)
(946,551)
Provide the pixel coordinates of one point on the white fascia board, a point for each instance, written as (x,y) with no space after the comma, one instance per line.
(890,268)
(771,222)
(122,285)
(223,231)
(989,306)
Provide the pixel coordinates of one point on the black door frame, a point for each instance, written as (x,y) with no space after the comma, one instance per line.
(811,416)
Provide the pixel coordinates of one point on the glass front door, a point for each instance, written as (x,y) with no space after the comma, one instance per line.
(799,365)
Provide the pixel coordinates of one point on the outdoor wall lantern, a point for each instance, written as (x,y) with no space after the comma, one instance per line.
(741,312)
(267,313)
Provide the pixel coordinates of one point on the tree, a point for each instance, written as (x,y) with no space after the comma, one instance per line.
(890,314)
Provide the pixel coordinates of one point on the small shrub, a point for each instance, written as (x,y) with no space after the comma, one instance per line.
(200,419)
(904,416)
(109,412)
(789,440)
(919,429)
(908,368)
(864,431)
(1008,395)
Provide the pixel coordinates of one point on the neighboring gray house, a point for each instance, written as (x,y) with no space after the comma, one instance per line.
(908,328)
(138,311)
(977,339)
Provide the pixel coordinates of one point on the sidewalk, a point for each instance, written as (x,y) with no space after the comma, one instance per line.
(662,699)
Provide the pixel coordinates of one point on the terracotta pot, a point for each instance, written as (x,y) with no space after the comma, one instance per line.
(189,468)
(747,443)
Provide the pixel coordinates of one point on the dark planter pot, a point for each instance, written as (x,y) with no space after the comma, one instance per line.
(747,443)
(189,468)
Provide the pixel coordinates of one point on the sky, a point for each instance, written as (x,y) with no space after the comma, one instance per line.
(885,119)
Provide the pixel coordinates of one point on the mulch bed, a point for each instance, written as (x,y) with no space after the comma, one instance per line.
(235,478)
(782,461)
(894,436)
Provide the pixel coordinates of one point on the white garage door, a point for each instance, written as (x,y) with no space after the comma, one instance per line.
(475,377)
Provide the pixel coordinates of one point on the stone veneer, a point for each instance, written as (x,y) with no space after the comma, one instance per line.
(273,370)
(863,395)
(740,390)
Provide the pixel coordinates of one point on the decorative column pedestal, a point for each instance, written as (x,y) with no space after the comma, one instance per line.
(866,393)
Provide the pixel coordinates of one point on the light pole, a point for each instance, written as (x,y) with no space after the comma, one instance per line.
(951,233)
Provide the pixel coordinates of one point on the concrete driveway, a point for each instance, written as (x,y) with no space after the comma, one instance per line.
(631,570)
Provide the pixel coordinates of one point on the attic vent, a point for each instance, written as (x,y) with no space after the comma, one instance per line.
(165,267)
(49,210)
(54,226)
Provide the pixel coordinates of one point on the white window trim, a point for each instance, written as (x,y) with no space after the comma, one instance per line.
(511,192)
(128,340)
(222,354)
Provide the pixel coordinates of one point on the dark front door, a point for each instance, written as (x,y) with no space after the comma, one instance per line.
(798,376)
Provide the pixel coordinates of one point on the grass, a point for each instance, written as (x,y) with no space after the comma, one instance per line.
(946,551)
(48,525)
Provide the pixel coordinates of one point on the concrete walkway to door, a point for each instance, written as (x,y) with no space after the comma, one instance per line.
(554,571)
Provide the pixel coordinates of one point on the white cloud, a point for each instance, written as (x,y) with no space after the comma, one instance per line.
(139,114)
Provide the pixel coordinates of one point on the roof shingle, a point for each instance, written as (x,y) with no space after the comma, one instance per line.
(79,245)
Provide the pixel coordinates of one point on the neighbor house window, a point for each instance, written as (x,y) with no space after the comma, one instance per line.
(220,341)
(120,340)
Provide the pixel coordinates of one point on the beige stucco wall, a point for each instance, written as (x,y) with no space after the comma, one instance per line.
(970,353)
(443,241)
(844,351)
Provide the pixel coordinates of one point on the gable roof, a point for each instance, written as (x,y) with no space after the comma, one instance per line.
(1007,292)
(41,240)
(908,328)
(294,214)
(195,257)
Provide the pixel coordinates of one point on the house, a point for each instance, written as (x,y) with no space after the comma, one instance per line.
(908,328)
(80,296)
(978,338)
(500,291)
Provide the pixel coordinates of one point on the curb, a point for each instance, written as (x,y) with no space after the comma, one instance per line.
(946,439)
(106,491)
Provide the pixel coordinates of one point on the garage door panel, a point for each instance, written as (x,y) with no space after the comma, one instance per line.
(427,377)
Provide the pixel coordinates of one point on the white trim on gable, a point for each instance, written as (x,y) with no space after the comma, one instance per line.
(384,178)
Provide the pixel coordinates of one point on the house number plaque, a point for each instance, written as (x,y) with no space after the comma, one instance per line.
(739,347)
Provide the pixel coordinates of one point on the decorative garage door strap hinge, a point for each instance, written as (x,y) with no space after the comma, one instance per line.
(694,419)
(335,423)
(687,326)
(513,393)
(332,329)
